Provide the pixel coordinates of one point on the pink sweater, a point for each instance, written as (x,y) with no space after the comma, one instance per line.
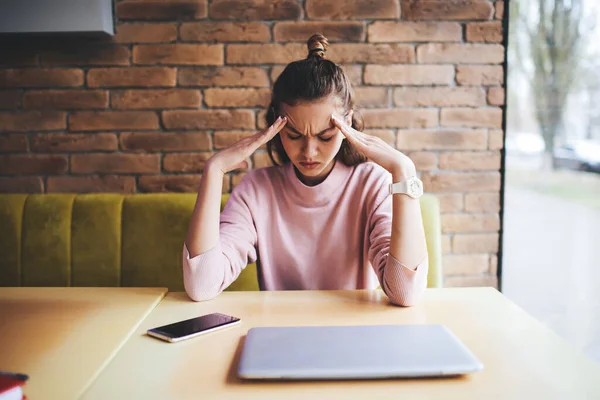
(335,235)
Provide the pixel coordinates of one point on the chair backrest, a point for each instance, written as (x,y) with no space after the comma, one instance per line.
(120,240)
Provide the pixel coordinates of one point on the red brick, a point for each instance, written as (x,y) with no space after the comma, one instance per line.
(30,164)
(161,10)
(442,140)
(439,96)
(112,120)
(186,162)
(471,117)
(165,141)
(499,10)
(158,98)
(117,163)
(255,9)
(461,182)
(60,142)
(471,281)
(16,55)
(450,202)
(475,243)
(13,143)
(470,223)
(178,54)
(446,244)
(32,121)
(387,135)
(300,31)
(353,72)
(352,9)
(65,99)
(495,139)
(21,184)
(465,264)
(486,32)
(224,76)
(170,183)
(91,184)
(401,118)
(10,99)
(480,75)
(421,75)
(237,97)
(482,202)
(424,160)
(209,119)
(261,122)
(87,55)
(493,264)
(372,53)
(265,53)
(370,97)
(402,31)
(446,9)
(225,139)
(146,33)
(470,160)
(436,53)
(222,32)
(495,96)
(40,77)
(128,77)
(261,159)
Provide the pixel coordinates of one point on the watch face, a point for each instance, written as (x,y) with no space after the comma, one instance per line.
(415,187)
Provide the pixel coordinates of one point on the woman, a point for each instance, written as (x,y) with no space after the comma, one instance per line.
(323,217)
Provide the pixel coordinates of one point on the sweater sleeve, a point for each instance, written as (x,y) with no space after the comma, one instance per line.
(206,275)
(403,285)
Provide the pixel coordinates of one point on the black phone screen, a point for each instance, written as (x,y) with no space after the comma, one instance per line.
(195,325)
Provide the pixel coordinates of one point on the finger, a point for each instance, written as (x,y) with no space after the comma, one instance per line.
(350,133)
(340,123)
(275,128)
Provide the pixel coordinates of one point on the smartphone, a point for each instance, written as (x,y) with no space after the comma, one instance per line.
(190,328)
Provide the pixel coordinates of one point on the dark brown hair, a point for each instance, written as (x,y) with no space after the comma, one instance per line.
(308,80)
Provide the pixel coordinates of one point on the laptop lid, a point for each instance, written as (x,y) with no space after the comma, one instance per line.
(354,352)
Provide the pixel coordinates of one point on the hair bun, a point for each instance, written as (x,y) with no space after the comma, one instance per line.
(317,46)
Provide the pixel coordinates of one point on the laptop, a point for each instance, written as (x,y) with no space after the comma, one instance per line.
(354,352)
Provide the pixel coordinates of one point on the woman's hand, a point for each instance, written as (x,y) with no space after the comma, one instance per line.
(234,157)
(378,151)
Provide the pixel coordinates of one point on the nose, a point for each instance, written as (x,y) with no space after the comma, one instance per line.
(310,147)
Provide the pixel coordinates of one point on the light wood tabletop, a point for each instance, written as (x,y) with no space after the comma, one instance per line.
(63,337)
(521,357)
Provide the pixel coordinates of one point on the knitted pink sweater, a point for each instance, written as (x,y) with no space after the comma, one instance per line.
(335,235)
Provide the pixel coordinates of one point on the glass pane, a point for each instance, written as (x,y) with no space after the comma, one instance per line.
(551,244)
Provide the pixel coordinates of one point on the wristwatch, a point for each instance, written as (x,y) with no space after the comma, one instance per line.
(412,187)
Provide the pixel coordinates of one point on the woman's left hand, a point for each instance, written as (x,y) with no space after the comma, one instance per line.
(378,151)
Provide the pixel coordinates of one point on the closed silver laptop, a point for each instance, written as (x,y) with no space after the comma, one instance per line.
(354,352)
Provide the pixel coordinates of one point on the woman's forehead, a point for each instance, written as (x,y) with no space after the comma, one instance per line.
(314,114)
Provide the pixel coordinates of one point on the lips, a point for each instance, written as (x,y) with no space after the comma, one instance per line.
(309,164)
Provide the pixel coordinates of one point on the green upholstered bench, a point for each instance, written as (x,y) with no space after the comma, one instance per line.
(121,240)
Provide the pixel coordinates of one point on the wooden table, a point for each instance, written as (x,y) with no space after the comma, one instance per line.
(522,358)
(63,337)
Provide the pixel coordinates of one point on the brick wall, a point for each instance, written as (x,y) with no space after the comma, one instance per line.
(143,111)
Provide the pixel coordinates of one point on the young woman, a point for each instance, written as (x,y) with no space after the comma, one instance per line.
(323,217)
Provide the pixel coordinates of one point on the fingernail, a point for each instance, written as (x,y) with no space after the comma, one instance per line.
(284,118)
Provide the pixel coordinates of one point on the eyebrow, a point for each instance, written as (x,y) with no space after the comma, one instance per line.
(300,133)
